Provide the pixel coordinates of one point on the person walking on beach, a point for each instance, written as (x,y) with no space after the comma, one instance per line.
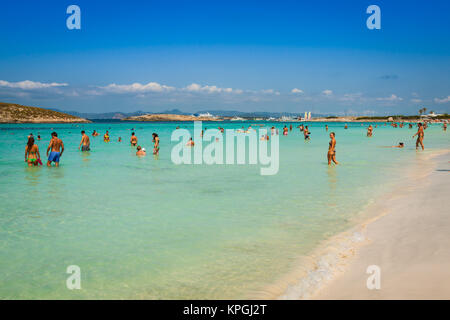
(133,139)
(85,143)
(155,143)
(32,155)
(332,149)
(420,135)
(57,148)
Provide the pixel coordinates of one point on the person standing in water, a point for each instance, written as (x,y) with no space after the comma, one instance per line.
(306,133)
(32,155)
(326,127)
(420,135)
(444,126)
(190,143)
(332,149)
(369,131)
(133,139)
(106,136)
(85,142)
(155,143)
(57,148)
(285,131)
(140,151)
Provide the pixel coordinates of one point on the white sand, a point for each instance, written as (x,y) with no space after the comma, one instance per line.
(410,244)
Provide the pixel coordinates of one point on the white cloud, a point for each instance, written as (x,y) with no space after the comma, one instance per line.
(351,97)
(327,92)
(296,90)
(391,98)
(270,91)
(444,100)
(30,85)
(194,87)
(416,100)
(137,88)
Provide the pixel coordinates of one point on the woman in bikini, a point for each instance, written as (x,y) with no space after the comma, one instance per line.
(155,143)
(332,149)
(133,140)
(106,137)
(420,135)
(32,155)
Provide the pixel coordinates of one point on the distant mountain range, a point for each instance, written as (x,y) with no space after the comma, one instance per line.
(221,113)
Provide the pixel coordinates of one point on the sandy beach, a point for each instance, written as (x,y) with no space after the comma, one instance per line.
(408,241)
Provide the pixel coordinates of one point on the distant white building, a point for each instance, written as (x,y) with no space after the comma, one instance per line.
(430,115)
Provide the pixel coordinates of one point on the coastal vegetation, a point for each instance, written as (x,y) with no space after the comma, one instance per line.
(16,113)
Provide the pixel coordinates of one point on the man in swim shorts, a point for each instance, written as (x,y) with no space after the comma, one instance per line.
(306,133)
(57,148)
(85,142)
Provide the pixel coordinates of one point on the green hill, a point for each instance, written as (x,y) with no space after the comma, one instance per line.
(16,113)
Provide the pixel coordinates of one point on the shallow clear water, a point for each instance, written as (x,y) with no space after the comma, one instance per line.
(147,228)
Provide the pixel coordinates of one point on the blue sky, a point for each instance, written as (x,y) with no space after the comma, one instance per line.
(290,56)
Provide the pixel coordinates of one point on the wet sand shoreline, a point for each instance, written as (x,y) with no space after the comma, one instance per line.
(409,243)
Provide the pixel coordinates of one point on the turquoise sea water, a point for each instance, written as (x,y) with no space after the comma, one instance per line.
(147,228)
